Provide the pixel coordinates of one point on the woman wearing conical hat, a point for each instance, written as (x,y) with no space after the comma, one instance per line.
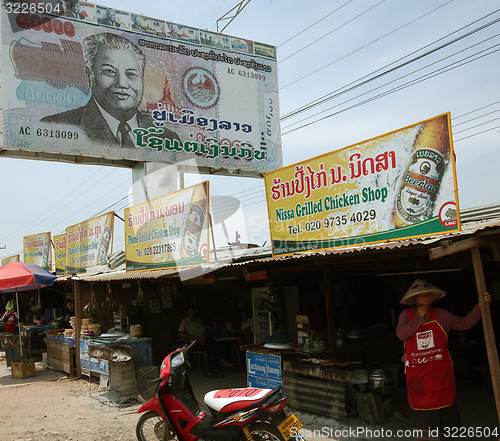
(428,365)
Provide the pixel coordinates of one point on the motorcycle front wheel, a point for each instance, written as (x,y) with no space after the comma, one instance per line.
(151,426)
(264,432)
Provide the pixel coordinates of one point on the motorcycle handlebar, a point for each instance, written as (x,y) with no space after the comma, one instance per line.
(190,345)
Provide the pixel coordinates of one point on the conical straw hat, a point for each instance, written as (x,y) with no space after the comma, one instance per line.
(421,287)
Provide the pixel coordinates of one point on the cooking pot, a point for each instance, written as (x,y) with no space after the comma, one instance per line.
(380,379)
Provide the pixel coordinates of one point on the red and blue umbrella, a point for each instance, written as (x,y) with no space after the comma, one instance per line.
(20,276)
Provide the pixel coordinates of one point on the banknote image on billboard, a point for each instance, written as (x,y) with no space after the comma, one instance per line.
(106,86)
(15,258)
(89,243)
(168,232)
(60,253)
(38,250)
(396,186)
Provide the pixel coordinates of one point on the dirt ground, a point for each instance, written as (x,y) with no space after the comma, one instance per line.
(60,409)
(51,406)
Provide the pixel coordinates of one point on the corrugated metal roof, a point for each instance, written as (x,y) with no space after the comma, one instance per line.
(468,228)
(473,220)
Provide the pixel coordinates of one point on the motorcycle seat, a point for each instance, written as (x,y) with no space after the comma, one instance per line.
(232,400)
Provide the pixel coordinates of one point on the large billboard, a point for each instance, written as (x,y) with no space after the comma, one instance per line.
(396,186)
(106,86)
(88,243)
(37,249)
(168,232)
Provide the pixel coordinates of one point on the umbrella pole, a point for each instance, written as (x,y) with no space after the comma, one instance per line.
(19,325)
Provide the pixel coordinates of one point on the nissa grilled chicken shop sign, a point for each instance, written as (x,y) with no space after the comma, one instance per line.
(395,186)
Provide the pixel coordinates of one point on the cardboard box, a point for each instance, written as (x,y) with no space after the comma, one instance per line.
(23,369)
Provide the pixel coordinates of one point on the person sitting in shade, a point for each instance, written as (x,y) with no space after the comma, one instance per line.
(192,329)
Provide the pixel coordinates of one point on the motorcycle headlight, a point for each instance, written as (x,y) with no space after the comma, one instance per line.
(177,360)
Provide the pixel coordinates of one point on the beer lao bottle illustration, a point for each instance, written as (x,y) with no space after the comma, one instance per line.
(194,222)
(46,254)
(105,240)
(422,177)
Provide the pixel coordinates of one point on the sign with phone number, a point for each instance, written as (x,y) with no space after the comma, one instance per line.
(169,231)
(395,186)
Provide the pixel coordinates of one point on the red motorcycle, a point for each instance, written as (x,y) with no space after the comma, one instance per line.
(242,414)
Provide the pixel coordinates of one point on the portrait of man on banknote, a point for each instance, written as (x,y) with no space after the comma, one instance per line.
(115,70)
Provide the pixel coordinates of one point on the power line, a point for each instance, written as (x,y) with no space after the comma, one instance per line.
(342,90)
(396,89)
(364,46)
(475,110)
(315,23)
(336,29)
(60,201)
(475,134)
(477,117)
(399,78)
(477,125)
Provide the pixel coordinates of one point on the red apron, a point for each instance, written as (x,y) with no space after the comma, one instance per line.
(428,366)
(11,323)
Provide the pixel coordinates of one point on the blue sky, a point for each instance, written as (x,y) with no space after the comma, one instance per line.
(350,40)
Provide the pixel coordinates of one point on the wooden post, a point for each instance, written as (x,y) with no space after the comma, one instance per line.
(489,335)
(332,336)
(78,323)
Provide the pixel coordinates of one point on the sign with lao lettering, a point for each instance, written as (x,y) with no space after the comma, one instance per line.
(38,250)
(98,85)
(169,231)
(60,253)
(88,243)
(399,185)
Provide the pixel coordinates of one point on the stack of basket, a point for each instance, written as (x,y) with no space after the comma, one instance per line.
(85,328)
(69,333)
(95,329)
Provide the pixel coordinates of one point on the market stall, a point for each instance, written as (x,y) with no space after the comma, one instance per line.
(18,277)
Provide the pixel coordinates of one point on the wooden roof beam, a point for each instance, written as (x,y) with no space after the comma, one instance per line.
(456,247)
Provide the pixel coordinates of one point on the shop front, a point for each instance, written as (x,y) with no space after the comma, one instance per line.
(350,298)
(327,318)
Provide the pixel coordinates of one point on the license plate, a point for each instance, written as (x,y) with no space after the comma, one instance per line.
(290,427)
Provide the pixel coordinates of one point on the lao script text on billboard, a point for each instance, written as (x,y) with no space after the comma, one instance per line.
(399,185)
(60,253)
(38,250)
(83,87)
(88,243)
(168,232)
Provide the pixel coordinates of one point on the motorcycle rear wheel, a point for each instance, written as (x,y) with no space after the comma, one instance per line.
(264,432)
(150,427)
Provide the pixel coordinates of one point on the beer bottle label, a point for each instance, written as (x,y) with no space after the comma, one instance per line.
(102,251)
(192,232)
(420,186)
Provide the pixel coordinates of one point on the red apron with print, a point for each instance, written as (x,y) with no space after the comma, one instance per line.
(11,323)
(428,366)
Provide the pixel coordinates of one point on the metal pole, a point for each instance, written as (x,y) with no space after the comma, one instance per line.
(19,325)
